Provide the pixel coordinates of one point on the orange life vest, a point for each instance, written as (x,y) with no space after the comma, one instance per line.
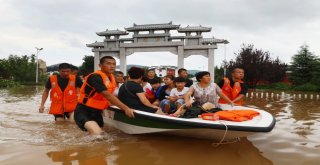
(94,99)
(237,115)
(230,92)
(65,101)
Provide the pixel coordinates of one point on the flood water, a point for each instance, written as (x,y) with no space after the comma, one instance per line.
(27,137)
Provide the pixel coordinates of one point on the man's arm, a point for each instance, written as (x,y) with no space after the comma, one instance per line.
(145,101)
(242,93)
(45,95)
(223,96)
(241,96)
(115,101)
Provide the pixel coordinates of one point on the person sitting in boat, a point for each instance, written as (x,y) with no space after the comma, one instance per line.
(184,74)
(176,98)
(118,76)
(205,93)
(155,84)
(147,88)
(96,96)
(234,88)
(145,84)
(165,90)
(131,93)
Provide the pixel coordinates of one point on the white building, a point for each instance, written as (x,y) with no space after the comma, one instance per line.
(164,70)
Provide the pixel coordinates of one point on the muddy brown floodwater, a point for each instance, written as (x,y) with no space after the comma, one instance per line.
(27,137)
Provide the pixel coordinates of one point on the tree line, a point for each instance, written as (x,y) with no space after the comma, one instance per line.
(17,69)
(303,73)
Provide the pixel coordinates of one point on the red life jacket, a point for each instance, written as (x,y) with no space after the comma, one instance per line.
(94,99)
(230,92)
(65,101)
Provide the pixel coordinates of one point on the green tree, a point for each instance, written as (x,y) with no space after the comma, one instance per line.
(22,68)
(316,73)
(304,67)
(258,66)
(218,73)
(4,69)
(87,66)
(18,68)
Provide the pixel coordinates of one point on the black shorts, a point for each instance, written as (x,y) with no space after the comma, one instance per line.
(83,114)
(64,116)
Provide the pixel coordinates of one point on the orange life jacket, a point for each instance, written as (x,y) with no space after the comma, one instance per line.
(94,99)
(230,92)
(65,101)
(237,115)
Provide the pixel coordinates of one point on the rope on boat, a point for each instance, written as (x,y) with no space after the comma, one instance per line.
(224,136)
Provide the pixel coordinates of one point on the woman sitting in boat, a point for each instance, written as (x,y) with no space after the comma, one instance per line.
(205,93)
(131,92)
(165,90)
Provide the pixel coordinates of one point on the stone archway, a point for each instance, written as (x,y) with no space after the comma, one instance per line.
(156,38)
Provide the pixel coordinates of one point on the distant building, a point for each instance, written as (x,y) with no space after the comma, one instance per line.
(162,70)
(42,67)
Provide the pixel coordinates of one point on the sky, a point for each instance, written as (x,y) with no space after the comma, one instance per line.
(64,27)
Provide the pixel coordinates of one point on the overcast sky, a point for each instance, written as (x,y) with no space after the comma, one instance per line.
(64,27)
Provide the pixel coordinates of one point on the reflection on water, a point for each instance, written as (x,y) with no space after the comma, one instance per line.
(160,149)
(83,155)
(151,149)
(29,137)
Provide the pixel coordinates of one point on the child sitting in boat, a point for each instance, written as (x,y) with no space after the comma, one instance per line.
(131,93)
(147,88)
(203,92)
(155,84)
(176,98)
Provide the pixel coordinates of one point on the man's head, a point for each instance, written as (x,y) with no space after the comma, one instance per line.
(135,72)
(155,83)
(151,73)
(107,64)
(144,79)
(118,75)
(180,82)
(74,70)
(183,73)
(237,73)
(64,70)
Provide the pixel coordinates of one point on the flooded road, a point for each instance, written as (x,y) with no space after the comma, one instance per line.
(28,137)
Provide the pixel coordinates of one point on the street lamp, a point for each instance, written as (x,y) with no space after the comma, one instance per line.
(38,50)
(225,58)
